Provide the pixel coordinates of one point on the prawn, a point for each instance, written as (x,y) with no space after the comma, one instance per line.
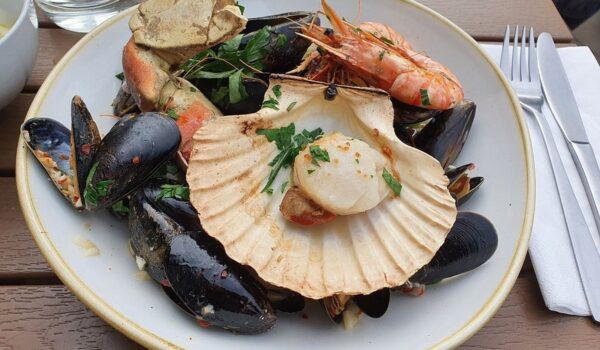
(386,60)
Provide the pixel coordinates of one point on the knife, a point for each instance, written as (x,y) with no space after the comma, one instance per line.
(562,103)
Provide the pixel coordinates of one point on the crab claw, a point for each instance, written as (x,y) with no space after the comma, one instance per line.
(178,29)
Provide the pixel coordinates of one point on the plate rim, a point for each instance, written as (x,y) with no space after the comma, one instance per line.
(148,339)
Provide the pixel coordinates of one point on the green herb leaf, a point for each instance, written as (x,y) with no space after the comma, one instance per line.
(271,103)
(277,91)
(289,146)
(93,193)
(291,106)
(392,182)
(425,98)
(242,8)
(172,114)
(310,171)
(219,96)
(386,40)
(269,190)
(283,186)
(120,76)
(119,207)
(381,54)
(281,40)
(231,45)
(317,154)
(174,191)
(237,92)
(357,161)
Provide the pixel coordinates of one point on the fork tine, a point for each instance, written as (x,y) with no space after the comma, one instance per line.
(524,62)
(533,62)
(516,67)
(504,60)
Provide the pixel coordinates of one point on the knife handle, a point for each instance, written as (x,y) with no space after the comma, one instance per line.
(586,164)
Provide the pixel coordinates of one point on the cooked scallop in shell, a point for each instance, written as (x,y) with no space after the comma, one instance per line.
(335,146)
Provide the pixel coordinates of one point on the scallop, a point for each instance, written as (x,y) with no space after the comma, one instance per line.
(379,237)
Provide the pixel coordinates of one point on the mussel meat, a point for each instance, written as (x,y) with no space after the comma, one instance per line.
(129,154)
(471,242)
(443,138)
(461,185)
(216,290)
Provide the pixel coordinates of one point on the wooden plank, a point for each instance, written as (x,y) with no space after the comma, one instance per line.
(50,317)
(487,20)
(10,121)
(54,43)
(523,322)
(20,258)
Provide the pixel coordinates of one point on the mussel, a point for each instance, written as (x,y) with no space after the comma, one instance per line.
(407,114)
(215,289)
(461,185)
(135,147)
(255,88)
(124,104)
(285,300)
(66,157)
(347,309)
(471,242)
(443,138)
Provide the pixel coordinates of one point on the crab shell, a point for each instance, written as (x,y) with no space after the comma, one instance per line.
(353,254)
(179,29)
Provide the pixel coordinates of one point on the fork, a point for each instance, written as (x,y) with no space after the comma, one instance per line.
(524,77)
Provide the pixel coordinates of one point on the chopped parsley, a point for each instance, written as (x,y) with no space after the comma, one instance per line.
(269,190)
(386,40)
(381,54)
(174,191)
(291,106)
(271,103)
(242,8)
(277,91)
(357,161)
(172,114)
(120,208)
(120,76)
(93,193)
(281,40)
(425,97)
(284,186)
(289,145)
(318,154)
(310,171)
(392,182)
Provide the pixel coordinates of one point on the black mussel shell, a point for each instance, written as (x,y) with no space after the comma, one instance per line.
(286,300)
(151,233)
(85,141)
(178,209)
(461,185)
(443,138)
(216,289)
(471,242)
(174,298)
(407,114)
(375,304)
(50,143)
(124,104)
(282,55)
(129,154)
(255,88)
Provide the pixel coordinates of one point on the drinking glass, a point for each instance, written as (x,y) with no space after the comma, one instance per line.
(82,15)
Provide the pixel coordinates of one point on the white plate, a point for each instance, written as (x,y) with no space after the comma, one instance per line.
(449,312)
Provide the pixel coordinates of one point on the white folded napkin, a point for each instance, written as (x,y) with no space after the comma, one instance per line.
(550,246)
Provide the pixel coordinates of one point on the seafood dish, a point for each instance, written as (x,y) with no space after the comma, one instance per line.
(265,163)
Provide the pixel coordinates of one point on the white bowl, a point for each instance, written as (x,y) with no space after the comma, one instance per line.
(449,312)
(18,48)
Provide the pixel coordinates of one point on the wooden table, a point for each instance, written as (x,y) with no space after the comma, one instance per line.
(38,312)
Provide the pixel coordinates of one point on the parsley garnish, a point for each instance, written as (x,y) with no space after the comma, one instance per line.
(386,40)
(392,182)
(281,40)
(381,54)
(120,76)
(310,171)
(291,106)
(172,114)
(174,191)
(93,193)
(317,154)
(119,207)
(425,98)
(271,103)
(283,186)
(242,8)
(357,161)
(277,91)
(289,145)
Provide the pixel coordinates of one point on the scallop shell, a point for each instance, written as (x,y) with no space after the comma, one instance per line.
(355,254)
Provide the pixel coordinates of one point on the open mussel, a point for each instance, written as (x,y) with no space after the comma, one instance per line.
(347,309)
(407,114)
(135,147)
(124,104)
(461,185)
(66,157)
(254,87)
(214,288)
(471,242)
(443,138)
(285,300)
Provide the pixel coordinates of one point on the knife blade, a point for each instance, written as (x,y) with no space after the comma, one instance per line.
(561,101)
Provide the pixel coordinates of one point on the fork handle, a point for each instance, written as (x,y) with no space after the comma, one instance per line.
(587,256)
